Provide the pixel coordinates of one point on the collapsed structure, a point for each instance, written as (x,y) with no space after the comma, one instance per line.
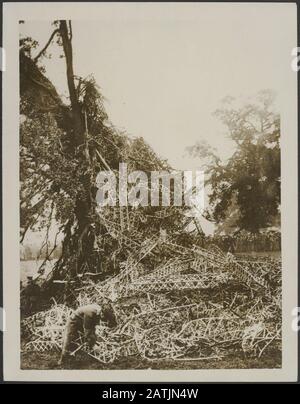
(171,299)
(196,303)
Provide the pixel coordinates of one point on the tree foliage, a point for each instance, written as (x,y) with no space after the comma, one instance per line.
(63,146)
(245,190)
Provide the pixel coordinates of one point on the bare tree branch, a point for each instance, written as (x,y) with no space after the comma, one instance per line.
(46,46)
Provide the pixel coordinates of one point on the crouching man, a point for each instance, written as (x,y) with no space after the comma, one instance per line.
(84,321)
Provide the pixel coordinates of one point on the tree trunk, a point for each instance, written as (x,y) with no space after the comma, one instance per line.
(81,240)
(76,109)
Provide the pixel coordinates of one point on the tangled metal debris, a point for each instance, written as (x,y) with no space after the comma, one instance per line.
(196,304)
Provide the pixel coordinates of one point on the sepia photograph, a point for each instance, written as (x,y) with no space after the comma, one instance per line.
(150,186)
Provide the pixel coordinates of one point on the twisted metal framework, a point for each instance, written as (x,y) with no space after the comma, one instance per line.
(178,282)
(214,269)
(174,332)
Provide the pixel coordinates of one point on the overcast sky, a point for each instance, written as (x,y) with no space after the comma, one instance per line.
(163,74)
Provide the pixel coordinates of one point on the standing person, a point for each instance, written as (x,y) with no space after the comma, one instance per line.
(84,320)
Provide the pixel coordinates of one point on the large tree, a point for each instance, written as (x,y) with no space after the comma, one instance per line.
(245,190)
(63,146)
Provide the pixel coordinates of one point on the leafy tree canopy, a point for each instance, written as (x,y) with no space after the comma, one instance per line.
(245,190)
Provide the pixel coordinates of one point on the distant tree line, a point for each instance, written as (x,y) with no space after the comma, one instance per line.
(247,242)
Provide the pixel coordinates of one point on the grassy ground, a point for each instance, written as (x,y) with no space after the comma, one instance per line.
(49,360)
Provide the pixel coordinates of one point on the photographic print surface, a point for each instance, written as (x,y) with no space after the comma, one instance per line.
(150,188)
